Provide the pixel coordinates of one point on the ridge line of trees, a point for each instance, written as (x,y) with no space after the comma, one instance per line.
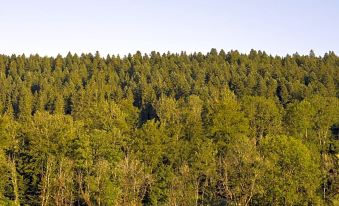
(169,129)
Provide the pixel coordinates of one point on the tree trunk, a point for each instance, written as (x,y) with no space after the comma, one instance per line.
(14,181)
(45,193)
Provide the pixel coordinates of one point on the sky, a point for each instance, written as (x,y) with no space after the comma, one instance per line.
(278,27)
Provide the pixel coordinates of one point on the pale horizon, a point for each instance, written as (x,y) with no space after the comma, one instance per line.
(49,28)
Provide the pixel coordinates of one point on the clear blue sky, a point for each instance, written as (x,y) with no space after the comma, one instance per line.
(50,27)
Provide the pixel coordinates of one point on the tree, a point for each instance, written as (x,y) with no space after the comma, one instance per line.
(264,116)
(225,120)
(133,181)
(299,119)
(326,115)
(169,129)
(9,147)
(169,115)
(240,171)
(291,172)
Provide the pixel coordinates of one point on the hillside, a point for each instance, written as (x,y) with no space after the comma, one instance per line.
(169,129)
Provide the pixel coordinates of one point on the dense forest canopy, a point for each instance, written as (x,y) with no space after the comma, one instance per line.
(169,129)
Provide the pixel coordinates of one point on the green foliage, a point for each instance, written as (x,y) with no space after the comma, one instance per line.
(291,173)
(240,171)
(264,115)
(299,118)
(169,129)
(225,119)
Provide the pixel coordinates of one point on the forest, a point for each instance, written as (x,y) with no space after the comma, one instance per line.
(176,129)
